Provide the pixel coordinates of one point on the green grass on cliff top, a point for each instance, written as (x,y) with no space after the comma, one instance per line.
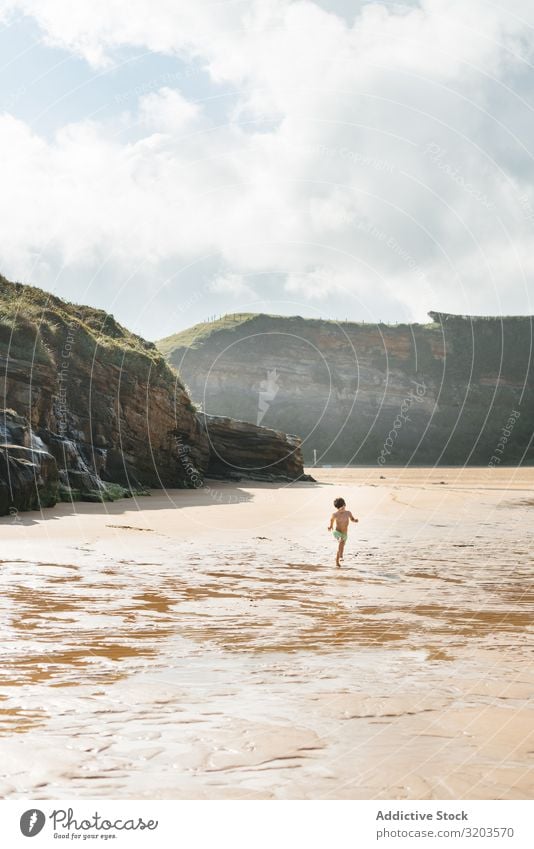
(195,336)
(192,336)
(33,323)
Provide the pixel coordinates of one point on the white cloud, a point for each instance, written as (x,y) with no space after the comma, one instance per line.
(96,29)
(167,111)
(384,161)
(231,284)
(318,284)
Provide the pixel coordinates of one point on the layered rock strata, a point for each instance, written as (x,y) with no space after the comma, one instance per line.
(91,410)
(241,450)
(457,390)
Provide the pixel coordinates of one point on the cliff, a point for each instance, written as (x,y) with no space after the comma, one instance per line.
(238,449)
(457,390)
(91,410)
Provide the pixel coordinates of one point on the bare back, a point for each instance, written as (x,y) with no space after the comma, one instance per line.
(342,518)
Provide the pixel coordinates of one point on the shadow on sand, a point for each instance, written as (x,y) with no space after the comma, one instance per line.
(213,492)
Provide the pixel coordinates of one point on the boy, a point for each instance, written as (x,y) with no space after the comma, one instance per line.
(341,517)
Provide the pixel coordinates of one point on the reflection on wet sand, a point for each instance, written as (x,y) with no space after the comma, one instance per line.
(246,666)
(17,720)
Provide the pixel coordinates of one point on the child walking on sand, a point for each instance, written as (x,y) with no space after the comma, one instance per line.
(341,518)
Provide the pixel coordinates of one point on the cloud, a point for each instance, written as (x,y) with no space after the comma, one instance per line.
(383,151)
(167,111)
(318,284)
(231,284)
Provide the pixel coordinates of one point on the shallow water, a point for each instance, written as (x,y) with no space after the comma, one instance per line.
(175,664)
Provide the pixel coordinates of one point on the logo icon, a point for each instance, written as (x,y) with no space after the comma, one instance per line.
(32,822)
(268,392)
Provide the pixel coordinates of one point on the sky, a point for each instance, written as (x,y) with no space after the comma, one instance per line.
(171,161)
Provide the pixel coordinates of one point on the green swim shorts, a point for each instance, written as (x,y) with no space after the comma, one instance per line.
(341,535)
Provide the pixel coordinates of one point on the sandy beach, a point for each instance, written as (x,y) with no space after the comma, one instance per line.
(201,644)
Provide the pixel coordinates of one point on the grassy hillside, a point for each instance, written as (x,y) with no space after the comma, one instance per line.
(34,325)
(195,336)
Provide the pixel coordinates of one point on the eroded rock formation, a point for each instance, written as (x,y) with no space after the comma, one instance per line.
(457,390)
(92,411)
(241,450)
(28,473)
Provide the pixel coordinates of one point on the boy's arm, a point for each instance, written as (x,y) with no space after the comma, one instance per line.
(352,518)
(331,525)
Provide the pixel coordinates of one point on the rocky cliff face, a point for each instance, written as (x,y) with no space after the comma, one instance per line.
(458,390)
(28,473)
(102,400)
(238,449)
(90,410)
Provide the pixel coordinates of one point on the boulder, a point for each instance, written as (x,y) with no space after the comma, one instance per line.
(243,450)
(28,479)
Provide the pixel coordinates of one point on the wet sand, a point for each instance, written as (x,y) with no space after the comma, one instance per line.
(202,644)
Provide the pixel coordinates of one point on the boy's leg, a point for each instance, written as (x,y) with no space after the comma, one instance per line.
(339,555)
(341,549)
